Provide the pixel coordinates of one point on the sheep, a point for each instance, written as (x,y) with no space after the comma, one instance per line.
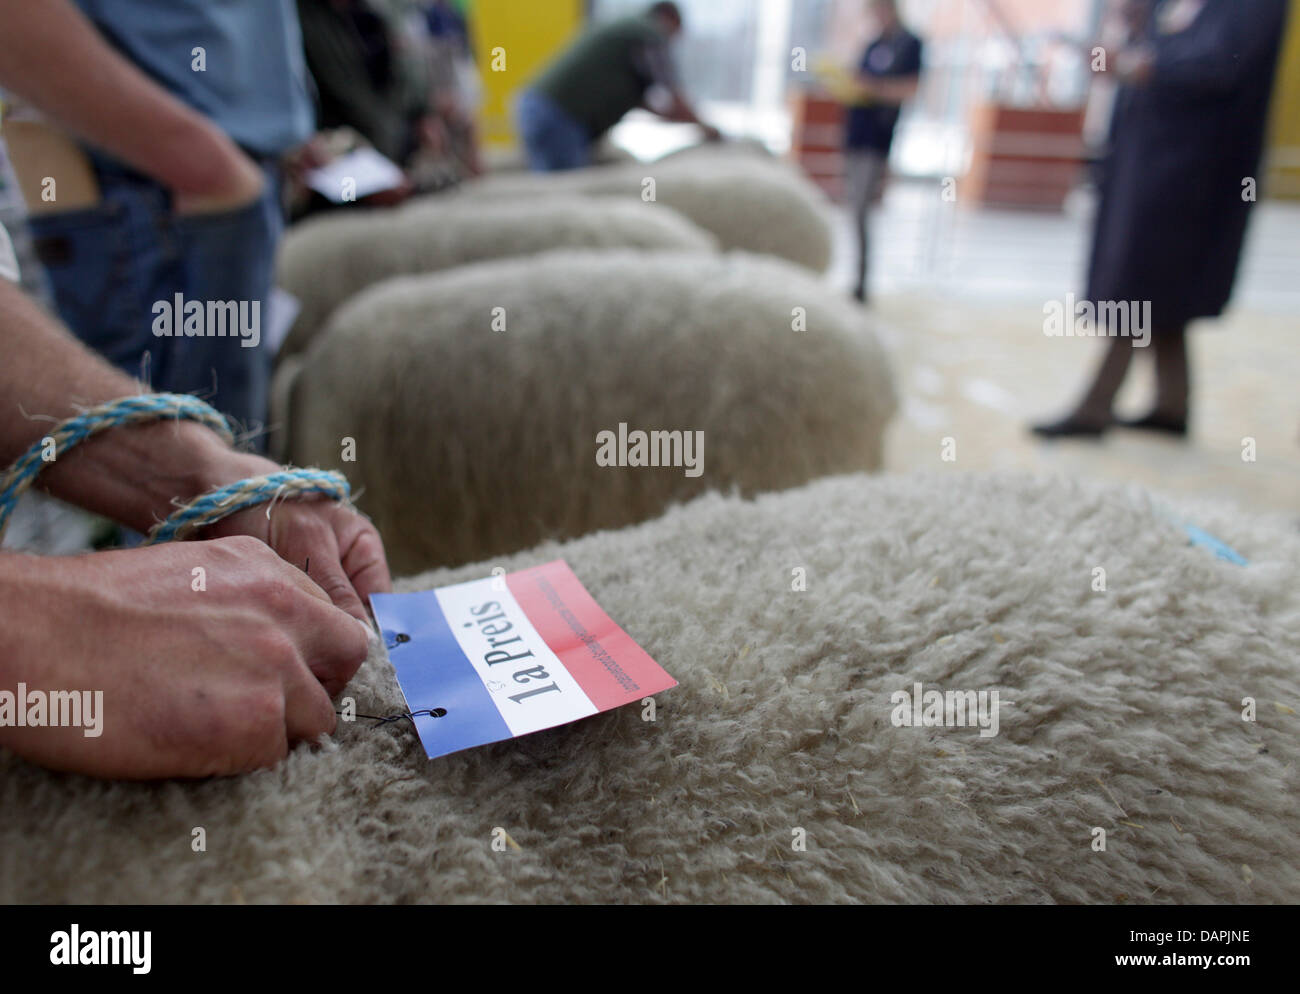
(791,623)
(325,260)
(471,442)
(751,201)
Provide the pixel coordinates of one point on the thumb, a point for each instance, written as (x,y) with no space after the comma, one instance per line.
(329,576)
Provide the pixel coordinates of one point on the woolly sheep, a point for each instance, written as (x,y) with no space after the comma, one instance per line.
(472,442)
(325,260)
(1118,710)
(752,202)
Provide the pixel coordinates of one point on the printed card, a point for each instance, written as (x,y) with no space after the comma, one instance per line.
(507,655)
(354,176)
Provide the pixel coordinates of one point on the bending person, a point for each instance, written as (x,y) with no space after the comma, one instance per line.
(607,72)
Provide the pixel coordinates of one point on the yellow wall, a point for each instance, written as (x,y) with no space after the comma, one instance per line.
(1284,151)
(529,32)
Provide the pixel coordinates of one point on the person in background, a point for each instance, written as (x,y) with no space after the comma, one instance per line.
(390,74)
(888,76)
(1177,188)
(607,72)
(366,78)
(455,87)
(175,204)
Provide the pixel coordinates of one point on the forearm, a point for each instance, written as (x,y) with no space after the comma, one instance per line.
(22,595)
(1228,42)
(129,474)
(678,110)
(26,595)
(51,56)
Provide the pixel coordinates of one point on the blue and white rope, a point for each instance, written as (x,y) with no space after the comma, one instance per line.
(16,480)
(225,501)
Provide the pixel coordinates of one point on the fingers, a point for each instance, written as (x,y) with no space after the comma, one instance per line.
(365,563)
(329,641)
(336,546)
(313,586)
(308,711)
(332,642)
(335,583)
(339,548)
(255,555)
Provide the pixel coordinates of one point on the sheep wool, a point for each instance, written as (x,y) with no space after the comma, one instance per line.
(326,260)
(750,201)
(484,409)
(1122,769)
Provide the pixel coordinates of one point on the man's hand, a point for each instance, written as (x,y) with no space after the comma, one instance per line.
(431,130)
(1135,65)
(338,548)
(134,475)
(213,657)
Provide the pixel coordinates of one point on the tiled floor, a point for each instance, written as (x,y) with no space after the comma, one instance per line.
(922,243)
(959,300)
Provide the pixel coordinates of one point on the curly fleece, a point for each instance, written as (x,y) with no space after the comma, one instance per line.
(1121,710)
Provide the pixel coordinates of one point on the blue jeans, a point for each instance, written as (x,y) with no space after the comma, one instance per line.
(553,140)
(111,264)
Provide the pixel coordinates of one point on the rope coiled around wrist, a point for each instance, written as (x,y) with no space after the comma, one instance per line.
(235,497)
(190,517)
(142,409)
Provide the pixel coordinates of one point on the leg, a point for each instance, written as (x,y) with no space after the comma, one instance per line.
(1096,405)
(857,183)
(1173,384)
(554,141)
(1173,379)
(532,131)
(1093,414)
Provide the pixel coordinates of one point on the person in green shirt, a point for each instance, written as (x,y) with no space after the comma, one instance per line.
(599,78)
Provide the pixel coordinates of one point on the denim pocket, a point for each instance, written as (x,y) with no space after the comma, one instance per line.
(88,257)
(229,255)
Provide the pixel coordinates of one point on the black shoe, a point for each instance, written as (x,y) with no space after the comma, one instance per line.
(860,295)
(1157,422)
(1069,427)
